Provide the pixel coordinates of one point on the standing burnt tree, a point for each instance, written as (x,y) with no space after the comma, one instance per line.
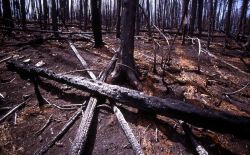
(96,22)
(8,21)
(125,70)
(193,16)
(200,14)
(23,14)
(54,17)
(242,20)
(85,14)
(228,21)
(118,18)
(184,19)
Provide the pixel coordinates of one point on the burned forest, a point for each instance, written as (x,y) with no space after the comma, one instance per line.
(163,77)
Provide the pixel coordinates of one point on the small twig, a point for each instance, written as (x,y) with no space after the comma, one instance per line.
(13,110)
(239,90)
(60,134)
(5,59)
(44,126)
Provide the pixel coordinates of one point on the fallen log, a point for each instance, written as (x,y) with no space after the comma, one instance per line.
(206,118)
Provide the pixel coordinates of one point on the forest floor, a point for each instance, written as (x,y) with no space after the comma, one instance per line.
(157,135)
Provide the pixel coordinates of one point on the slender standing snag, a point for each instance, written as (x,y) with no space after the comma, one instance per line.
(23,14)
(207,118)
(8,21)
(184,19)
(228,21)
(118,16)
(45,13)
(125,69)
(54,18)
(96,22)
(85,14)
(193,16)
(200,14)
(242,20)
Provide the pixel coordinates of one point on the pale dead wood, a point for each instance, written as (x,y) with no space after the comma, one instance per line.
(128,131)
(83,62)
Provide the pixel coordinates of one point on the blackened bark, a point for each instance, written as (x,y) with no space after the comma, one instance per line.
(8,21)
(85,14)
(96,22)
(81,14)
(206,118)
(54,17)
(118,18)
(126,71)
(242,20)
(200,14)
(46,13)
(228,21)
(193,16)
(210,22)
(184,19)
(148,20)
(23,14)
(138,20)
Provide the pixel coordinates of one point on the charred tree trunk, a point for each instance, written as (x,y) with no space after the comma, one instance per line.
(81,14)
(96,22)
(148,20)
(184,19)
(118,18)
(210,22)
(8,21)
(206,118)
(242,20)
(46,13)
(200,14)
(85,14)
(23,14)
(138,20)
(193,16)
(228,21)
(54,17)
(125,69)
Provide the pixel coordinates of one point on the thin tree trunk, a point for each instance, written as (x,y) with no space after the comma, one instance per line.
(228,21)
(125,70)
(193,16)
(8,21)
(85,14)
(200,14)
(96,22)
(118,17)
(54,17)
(23,14)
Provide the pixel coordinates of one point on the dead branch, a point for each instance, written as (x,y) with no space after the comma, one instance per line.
(239,90)
(61,133)
(128,131)
(224,62)
(44,126)
(83,62)
(82,132)
(206,118)
(5,59)
(13,110)
(199,148)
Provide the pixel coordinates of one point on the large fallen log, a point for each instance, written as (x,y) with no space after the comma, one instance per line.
(206,118)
